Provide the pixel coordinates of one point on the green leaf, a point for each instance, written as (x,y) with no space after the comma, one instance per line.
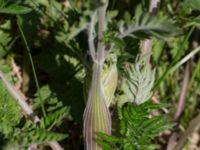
(107,142)
(15,9)
(37,136)
(138,83)
(108,138)
(9,109)
(191,4)
(52,119)
(145,25)
(117,41)
(138,129)
(5,38)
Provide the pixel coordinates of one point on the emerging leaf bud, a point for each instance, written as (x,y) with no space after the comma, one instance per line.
(138,83)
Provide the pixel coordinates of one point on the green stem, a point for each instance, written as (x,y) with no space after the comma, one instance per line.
(33,67)
(113,4)
(196,71)
(174,62)
(184,59)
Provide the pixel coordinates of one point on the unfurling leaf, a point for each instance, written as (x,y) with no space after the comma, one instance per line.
(96,116)
(138,84)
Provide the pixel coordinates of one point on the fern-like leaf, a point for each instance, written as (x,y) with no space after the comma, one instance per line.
(55,118)
(137,128)
(138,83)
(145,25)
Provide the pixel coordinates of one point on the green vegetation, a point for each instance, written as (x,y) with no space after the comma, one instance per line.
(99,74)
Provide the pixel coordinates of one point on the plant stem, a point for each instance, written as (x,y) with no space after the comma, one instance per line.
(33,67)
(101,29)
(146,45)
(21,100)
(175,58)
(91,36)
(194,125)
(180,106)
(181,102)
(96,115)
(185,59)
(154,6)
(196,71)
(16,95)
(113,4)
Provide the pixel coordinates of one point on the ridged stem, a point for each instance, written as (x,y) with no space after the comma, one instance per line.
(96,116)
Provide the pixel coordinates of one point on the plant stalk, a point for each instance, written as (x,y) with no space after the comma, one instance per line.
(33,67)
(101,28)
(193,126)
(21,100)
(96,116)
(146,45)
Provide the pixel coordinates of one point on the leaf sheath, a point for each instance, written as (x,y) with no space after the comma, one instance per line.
(96,116)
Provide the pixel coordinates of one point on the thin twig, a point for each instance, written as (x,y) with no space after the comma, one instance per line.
(193,126)
(185,59)
(21,100)
(174,61)
(19,97)
(180,107)
(183,94)
(172,141)
(54,145)
(181,102)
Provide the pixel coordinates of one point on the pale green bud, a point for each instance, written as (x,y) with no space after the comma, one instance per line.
(109,80)
(138,83)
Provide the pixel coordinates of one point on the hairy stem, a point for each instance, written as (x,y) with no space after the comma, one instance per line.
(91,37)
(101,29)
